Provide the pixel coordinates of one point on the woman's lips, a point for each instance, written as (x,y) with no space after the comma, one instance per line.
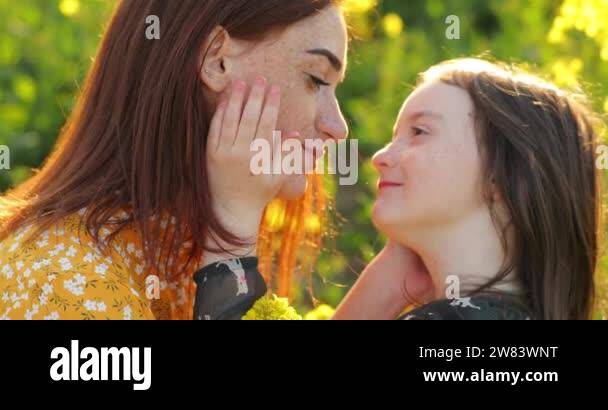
(387,184)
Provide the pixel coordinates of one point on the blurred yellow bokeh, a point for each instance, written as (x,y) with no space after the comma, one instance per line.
(392,25)
(69,7)
(359,6)
(566,72)
(274,218)
(321,312)
(312,224)
(588,16)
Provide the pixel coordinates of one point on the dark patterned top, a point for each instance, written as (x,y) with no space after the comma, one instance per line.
(226,290)
(481,307)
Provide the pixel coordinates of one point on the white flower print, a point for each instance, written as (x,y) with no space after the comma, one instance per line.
(101,269)
(27,273)
(90,305)
(79,279)
(42,243)
(55,251)
(104,233)
(126,312)
(29,314)
(130,247)
(8,271)
(75,285)
(52,316)
(65,264)
(19,265)
(119,250)
(47,288)
(101,306)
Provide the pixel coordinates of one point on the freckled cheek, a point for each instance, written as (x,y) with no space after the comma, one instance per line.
(297,113)
(427,169)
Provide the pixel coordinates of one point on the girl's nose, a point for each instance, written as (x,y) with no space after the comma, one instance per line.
(383,158)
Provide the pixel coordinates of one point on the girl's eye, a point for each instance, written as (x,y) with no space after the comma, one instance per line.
(317,83)
(419,131)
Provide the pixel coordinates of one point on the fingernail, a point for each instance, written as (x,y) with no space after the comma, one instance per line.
(260,81)
(240,85)
(275,90)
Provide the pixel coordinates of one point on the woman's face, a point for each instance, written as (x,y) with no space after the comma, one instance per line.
(308,61)
(430,173)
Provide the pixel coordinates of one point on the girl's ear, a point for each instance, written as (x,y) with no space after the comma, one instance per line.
(495,192)
(215,73)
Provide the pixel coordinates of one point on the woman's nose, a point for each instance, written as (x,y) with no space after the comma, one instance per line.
(331,122)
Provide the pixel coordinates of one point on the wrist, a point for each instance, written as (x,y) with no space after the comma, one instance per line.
(245,226)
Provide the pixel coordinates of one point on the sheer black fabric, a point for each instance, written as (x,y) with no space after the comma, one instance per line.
(486,307)
(226,290)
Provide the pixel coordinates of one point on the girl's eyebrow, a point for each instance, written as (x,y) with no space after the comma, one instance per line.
(420,114)
(417,115)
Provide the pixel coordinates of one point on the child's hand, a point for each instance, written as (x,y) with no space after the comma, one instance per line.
(414,279)
(394,280)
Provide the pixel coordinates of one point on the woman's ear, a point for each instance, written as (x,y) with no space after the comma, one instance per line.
(214,72)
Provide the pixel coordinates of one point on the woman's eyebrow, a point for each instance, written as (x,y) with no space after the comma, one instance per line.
(331,57)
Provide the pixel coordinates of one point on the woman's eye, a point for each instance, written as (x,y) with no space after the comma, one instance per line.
(317,82)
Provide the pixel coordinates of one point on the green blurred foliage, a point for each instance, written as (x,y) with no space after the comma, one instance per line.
(46,47)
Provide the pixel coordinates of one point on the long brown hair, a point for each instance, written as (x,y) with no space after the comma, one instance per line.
(538,147)
(136,138)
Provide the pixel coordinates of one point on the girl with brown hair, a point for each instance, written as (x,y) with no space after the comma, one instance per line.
(489,196)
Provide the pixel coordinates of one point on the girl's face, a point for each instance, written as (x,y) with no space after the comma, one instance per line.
(430,173)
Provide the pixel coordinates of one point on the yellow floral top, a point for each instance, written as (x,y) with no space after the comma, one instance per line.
(62,274)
